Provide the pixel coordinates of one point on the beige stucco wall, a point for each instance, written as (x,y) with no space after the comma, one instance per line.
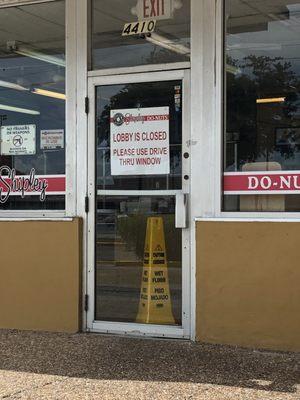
(248,284)
(40,275)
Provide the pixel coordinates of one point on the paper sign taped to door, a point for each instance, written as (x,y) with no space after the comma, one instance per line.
(139,139)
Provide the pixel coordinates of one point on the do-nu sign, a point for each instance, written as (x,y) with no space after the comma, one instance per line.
(263,182)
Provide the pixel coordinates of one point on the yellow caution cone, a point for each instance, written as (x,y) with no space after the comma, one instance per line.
(155,305)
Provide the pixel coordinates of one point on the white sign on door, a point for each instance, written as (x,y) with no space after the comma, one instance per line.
(17,140)
(139,141)
(154,9)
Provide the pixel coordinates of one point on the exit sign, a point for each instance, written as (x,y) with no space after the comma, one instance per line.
(154,9)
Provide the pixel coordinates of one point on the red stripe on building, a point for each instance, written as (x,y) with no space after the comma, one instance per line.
(56,184)
(265,182)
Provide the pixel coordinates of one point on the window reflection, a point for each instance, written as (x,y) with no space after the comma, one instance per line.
(121,223)
(32,93)
(170,41)
(262,92)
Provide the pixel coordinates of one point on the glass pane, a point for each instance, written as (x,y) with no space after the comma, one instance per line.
(123,266)
(32,106)
(262,106)
(134,274)
(139,96)
(168,43)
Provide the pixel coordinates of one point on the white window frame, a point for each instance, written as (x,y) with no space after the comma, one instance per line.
(82,150)
(70,116)
(134,328)
(211,166)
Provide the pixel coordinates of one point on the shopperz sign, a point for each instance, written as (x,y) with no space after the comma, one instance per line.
(261,182)
(139,141)
(12,184)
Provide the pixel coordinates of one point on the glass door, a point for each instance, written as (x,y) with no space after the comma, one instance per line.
(138,278)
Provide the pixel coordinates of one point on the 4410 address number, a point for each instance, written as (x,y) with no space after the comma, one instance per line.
(138,28)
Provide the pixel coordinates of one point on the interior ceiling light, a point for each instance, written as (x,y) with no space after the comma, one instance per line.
(15,86)
(168,44)
(41,92)
(49,93)
(271,100)
(14,47)
(19,110)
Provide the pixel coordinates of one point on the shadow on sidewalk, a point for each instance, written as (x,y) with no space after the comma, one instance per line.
(114,358)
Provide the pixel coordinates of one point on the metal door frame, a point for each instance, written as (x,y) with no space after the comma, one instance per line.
(134,328)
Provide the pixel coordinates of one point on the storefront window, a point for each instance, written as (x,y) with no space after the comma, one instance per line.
(128,33)
(32,106)
(262,106)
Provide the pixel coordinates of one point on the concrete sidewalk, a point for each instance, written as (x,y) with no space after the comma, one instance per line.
(85,366)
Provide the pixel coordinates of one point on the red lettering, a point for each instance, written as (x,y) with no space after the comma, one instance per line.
(153,13)
(146,7)
(158,151)
(123,137)
(150,136)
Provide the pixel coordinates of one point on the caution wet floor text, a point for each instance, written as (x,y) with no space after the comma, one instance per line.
(155,305)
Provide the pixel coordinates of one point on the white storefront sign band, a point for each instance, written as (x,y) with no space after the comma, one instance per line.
(18,140)
(52,139)
(139,141)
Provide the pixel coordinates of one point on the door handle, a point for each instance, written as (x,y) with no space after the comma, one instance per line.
(181,211)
